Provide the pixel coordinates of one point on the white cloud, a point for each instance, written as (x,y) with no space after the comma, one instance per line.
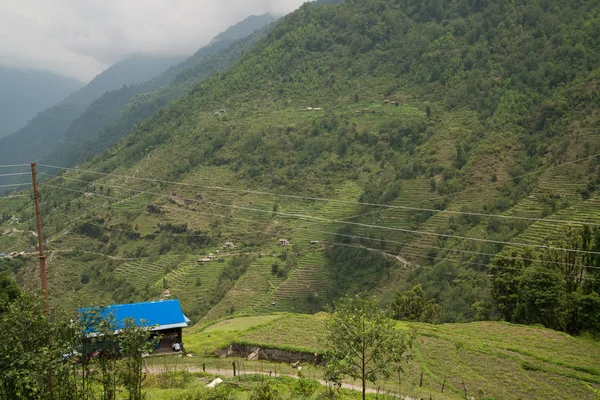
(81,38)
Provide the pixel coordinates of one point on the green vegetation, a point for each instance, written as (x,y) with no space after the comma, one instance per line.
(54,356)
(486,138)
(363,343)
(411,306)
(500,359)
(561,293)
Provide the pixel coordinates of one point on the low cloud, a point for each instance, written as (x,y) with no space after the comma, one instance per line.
(81,38)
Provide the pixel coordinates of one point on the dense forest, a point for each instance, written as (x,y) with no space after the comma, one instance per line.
(446,144)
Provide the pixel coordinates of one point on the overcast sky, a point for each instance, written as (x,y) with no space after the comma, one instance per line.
(81,38)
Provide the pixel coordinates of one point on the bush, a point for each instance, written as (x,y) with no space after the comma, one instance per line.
(305,387)
(264,391)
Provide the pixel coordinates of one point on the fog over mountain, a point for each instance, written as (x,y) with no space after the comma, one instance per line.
(81,39)
(24,93)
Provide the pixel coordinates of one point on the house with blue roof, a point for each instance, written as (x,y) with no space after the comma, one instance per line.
(164,318)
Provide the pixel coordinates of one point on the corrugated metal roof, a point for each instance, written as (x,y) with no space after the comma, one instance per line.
(160,315)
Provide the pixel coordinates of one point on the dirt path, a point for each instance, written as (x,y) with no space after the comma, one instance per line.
(229,373)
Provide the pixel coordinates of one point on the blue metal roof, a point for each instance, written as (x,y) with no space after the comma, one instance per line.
(158,314)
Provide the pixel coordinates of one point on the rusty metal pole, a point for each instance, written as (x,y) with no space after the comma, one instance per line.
(38,218)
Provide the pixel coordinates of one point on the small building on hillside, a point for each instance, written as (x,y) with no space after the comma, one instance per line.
(229,245)
(204,260)
(283,242)
(164,318)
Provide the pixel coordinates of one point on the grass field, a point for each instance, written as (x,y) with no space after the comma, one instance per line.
(494,360)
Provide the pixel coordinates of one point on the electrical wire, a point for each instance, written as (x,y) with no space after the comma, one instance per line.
(16,174)
(14,165)
(16,184)
(354,223)
(350,223)
(409,208)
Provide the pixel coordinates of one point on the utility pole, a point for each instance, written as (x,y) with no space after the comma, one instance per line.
(38,218)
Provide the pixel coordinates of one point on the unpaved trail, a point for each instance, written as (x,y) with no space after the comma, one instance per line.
(229,373)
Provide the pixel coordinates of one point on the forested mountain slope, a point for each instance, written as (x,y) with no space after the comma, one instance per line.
(24,93)
(112,116)
(391,143)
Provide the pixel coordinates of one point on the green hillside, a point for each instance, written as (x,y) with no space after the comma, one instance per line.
(494,360)
(412,142)
(113,115)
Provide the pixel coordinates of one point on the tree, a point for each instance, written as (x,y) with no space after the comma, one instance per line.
(135,341)
(555,287)
(363,341)
(411,306)
(9,291)
(33,349)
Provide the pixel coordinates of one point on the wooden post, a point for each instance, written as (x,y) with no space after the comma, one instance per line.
(38,218)
(204,368)
(443,385)
(465,389)
(233,363)
(421,381)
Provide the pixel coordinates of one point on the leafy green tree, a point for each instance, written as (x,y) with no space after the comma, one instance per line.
(108,360)
(363,341)
(506,282)
(34,354)
(556,288)
(135,341)
(9,291)
(411,306)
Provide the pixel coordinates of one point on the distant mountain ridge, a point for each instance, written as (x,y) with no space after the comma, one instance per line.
(49,126)
(24,93)
(112,116)
(137,68)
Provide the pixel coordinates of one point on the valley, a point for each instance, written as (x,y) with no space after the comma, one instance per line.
(441,157)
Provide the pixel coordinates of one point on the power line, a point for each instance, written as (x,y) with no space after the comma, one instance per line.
(520,176)
(16,173)
(409,244)
(456,261)
(350,223)
(409,208)
(359,203)
(393,254)
(14,165)
(150,234)
(16,184)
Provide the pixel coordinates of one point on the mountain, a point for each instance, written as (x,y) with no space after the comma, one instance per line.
(49,126)
(366,146)
(24,93)
(244,28)
(113,115)
(134,69)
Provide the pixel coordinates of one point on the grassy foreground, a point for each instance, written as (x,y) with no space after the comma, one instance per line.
(494,360)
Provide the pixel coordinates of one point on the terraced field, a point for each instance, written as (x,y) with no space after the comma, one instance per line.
(488,359)
(193,283)
(148,271)
(251,291)
(310,277)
